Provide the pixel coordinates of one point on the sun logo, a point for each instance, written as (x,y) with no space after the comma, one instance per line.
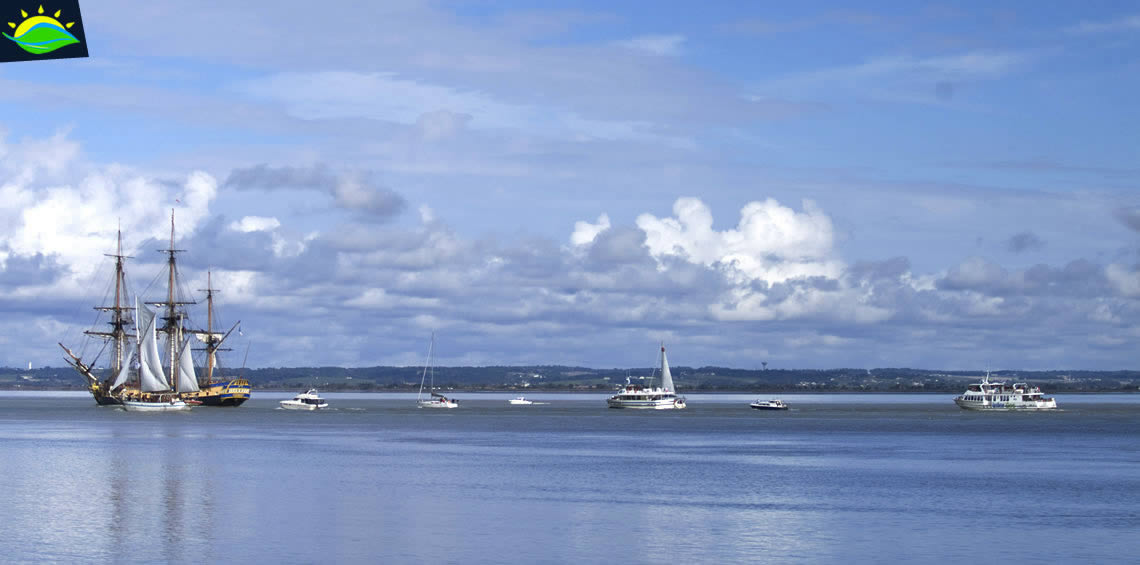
(40,34)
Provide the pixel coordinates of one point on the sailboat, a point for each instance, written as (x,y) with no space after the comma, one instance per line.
(655,398)
(121,383)
(435,399)
(156,393)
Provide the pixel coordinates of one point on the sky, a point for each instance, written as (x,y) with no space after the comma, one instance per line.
(811,185)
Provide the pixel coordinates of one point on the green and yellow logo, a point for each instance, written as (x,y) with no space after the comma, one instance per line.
(41,33)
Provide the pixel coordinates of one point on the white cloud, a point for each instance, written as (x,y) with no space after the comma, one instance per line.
(772,243)
(585,232)
(1124,280)
(76,221)
(255,223)
(659,45)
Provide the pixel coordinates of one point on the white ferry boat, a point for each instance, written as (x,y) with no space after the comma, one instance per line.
(653,398)
(1000,396)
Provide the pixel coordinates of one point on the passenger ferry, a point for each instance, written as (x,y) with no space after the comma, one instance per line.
(1000,396)
(637,396)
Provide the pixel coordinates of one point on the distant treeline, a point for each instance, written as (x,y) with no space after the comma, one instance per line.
(558,377)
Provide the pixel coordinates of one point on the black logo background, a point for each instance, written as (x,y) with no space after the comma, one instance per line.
(10,12)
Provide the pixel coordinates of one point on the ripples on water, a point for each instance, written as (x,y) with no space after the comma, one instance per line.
(838,479)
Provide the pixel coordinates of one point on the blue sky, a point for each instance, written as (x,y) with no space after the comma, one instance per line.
(942,185)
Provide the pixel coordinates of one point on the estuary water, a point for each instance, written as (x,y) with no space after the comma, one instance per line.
(838,479)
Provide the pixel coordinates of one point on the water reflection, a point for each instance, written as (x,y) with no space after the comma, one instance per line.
(383,482)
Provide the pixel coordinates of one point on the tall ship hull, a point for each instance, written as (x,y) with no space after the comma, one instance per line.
(228,393)
(103,398)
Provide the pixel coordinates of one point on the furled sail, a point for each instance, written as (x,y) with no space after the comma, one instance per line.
(121,378)
(666,376)
(187,380)
(151,376)
(205,337)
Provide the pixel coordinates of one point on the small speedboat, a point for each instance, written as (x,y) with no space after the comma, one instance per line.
(309,400)
(520,400)
(773,404)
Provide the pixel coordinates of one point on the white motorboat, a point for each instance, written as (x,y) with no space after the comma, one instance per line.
(164,403)
(652,398)
(773,404)
(308,400)
(520,401)
(1000,396)
(434,399)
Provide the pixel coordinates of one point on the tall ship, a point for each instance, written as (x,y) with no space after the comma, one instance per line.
(988,395)
(137,369)
(648,397)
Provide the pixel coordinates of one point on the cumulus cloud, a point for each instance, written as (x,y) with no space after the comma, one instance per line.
(585,232)
(781,262)
(772,243)
(255,223)
(75,221)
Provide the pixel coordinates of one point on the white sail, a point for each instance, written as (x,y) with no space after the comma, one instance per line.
(121,378)
(666,376)
(187,380)
(151,376)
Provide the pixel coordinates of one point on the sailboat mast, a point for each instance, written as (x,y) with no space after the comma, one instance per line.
(423,377)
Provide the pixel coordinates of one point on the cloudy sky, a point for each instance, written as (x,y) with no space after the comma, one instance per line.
(936,185)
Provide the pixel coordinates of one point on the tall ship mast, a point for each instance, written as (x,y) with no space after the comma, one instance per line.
(214,390)
(175,348)
(117,336)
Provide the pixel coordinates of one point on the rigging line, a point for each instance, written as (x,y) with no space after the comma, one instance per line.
(89,283)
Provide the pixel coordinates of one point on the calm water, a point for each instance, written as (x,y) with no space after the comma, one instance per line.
(839,479)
